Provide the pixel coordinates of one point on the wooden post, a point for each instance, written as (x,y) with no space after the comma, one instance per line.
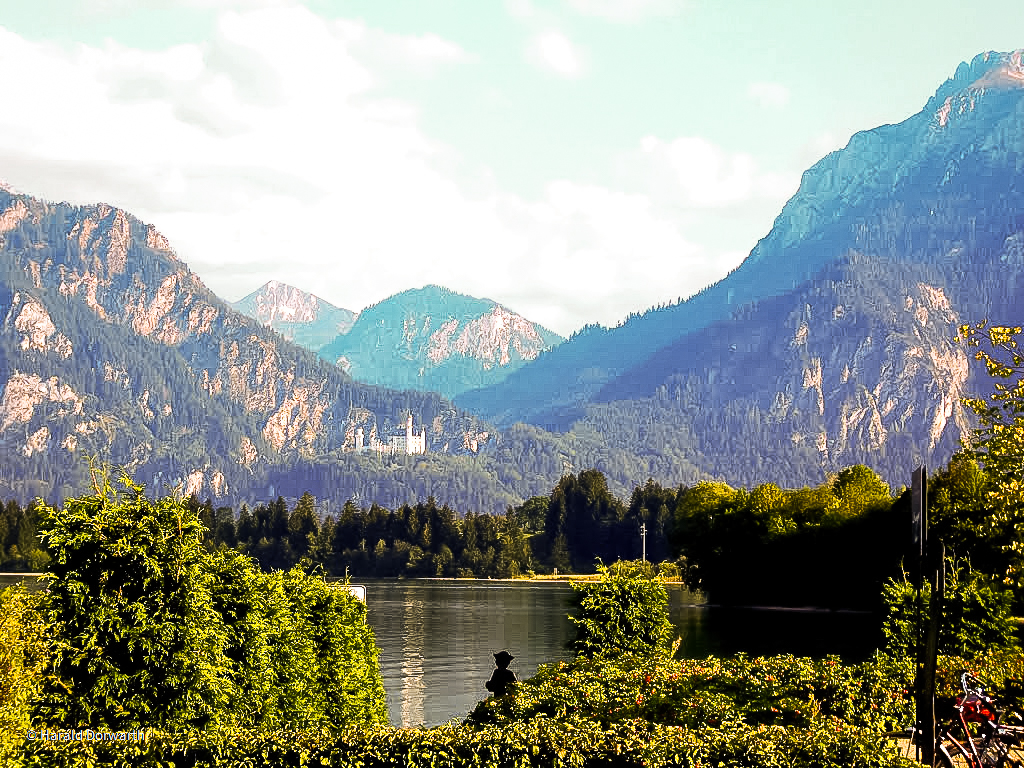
(931,560)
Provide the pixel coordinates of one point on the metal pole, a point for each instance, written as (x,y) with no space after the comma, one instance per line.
(930,556)
(643,536)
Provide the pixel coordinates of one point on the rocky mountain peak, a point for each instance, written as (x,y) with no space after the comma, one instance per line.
(435,339)
(280,301)
(987,72)
(302,317)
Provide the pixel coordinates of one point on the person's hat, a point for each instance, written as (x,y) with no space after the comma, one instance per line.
(503,656)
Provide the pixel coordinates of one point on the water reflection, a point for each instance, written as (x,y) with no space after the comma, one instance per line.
(436,637)
(413,688)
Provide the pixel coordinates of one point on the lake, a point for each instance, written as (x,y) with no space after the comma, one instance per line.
(436,637)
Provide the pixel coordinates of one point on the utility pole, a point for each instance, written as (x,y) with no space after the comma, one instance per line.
(643,536)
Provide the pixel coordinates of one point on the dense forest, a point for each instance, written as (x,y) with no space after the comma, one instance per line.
(831,545)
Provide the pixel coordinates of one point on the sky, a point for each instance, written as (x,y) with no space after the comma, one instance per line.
(574,160)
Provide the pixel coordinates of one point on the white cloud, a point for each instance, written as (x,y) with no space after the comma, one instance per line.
(769,95)
(692,172)
(553,51)
(628,10)
(120,6)
(599,254)
(391,55)
(268,152)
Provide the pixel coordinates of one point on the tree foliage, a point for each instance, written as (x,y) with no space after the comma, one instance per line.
(140,642)
(998,441)
(770,546)
(977,615)
(151,629)
(23,651)
(624,612)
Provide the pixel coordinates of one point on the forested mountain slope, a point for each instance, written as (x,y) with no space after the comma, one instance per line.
(111,348)
(940,189)
(833,342)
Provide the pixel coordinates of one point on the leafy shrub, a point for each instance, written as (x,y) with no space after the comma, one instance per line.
(541,742)
(138,640)
(22,657)
(976,616)
(301,652)
(711,693)
(625,611)
(151,630)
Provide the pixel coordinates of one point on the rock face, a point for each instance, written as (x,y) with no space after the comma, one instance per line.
(832,342)
(111,348)
(433,339)
(301,317)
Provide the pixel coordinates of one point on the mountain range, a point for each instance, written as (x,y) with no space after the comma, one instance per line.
(833,341)
(430,339)
(112,350)
(831,344)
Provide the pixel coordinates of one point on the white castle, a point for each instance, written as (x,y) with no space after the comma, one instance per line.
(407,444)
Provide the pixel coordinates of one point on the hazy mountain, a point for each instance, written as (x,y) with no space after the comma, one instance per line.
(433,339)
(301,317)
(832,341)
(111,348)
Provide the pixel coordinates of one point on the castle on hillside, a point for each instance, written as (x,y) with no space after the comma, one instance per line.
(408,444)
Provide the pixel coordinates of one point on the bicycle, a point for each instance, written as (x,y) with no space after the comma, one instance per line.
(977,736)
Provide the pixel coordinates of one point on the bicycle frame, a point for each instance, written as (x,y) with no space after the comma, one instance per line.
(969,751)
(990,746)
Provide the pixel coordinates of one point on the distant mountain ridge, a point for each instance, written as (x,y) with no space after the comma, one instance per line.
(923,219)
(837,209)
(111,348)
(304,318)
(434,339)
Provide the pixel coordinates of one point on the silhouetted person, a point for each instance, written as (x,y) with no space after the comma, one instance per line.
(501,676)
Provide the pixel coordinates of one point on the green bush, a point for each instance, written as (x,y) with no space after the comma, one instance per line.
(301,652)
(625,611)
(22,658)
(539,743)
(711,693)
(138,641)
(976,615)
(152,630)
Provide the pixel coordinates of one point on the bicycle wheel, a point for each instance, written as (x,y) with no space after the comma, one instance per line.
(999,752)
